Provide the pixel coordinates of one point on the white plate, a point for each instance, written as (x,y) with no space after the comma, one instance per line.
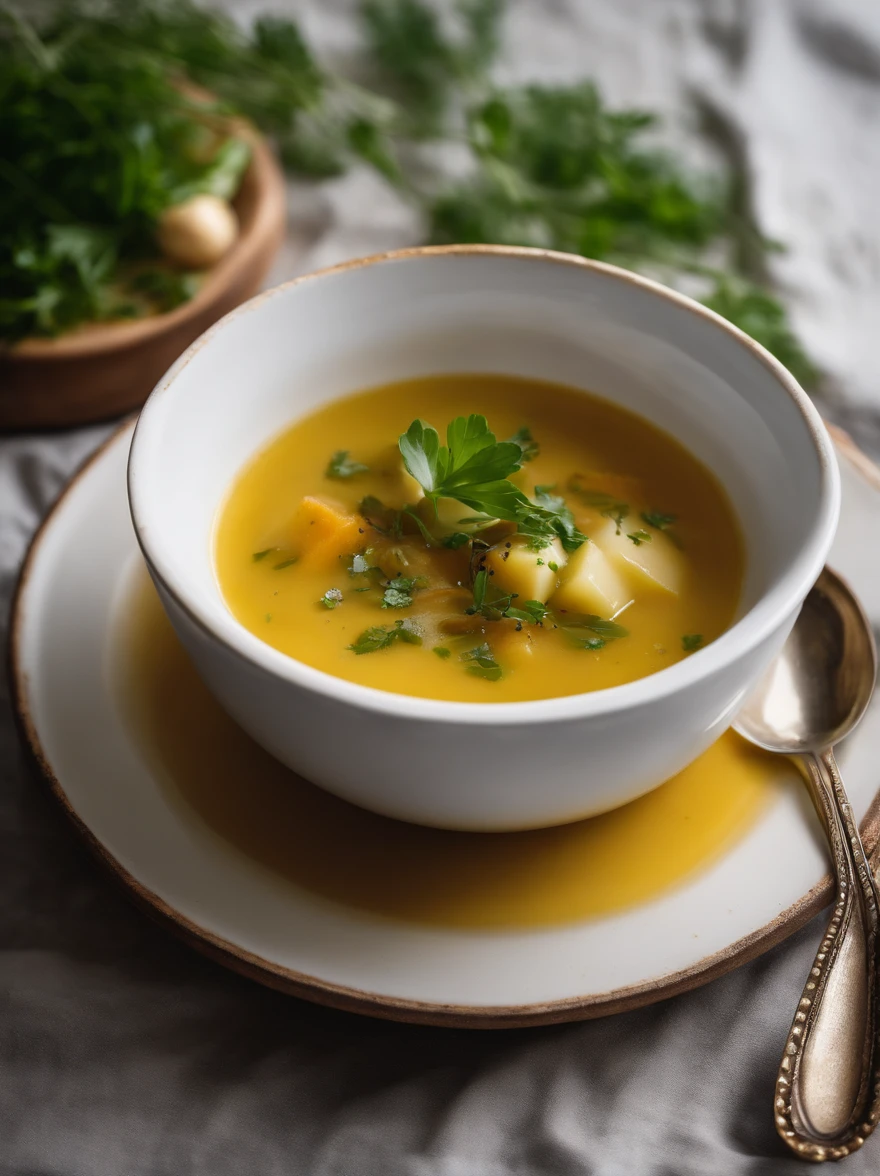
(767,885)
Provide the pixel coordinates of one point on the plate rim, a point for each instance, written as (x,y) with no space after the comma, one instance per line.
(383,1006)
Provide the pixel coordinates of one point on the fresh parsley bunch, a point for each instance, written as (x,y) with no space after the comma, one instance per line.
(473,467)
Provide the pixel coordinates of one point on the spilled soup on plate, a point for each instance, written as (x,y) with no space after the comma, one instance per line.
(479,538)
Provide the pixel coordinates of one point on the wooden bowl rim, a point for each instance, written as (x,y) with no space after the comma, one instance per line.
(96,339)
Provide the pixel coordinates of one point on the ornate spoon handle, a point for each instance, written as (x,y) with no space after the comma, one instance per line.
(828,1087)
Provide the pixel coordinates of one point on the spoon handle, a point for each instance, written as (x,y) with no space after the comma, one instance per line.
(828,1087)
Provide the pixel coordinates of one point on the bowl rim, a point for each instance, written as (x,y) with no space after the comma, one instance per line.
(761,620)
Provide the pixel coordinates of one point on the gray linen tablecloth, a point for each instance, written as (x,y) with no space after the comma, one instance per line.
(123,1053)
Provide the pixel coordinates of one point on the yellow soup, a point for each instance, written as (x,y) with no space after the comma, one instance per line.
(589,551)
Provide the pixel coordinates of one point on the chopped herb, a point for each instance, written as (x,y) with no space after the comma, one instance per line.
(285,563)
(495,606)
(658,520)
(442,651)
(426,534)
(588,631)
(529,447)
(268,616)
(383,518)
(399,591)
(610,630)
(488,601)
(551,518)
(365,574)
(341,466)
(691,641)
(453,542)
(381,638)
(553,565)
(258,555)
(607,505)
(531,611)
(331,598)
(539,563)
(639,537)
(480,662)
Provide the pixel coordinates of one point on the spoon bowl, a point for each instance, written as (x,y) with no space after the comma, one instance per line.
(820,685)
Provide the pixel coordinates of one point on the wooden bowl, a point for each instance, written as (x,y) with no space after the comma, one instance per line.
(103,370)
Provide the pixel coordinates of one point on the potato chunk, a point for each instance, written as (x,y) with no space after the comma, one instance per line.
(323,530)
(653,562)
(591,584)
(516,567)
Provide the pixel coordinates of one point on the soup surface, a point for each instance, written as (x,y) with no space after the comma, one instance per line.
(565,546)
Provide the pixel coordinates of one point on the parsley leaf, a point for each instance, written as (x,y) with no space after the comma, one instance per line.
(285,563)
(442,652)
(385,519)
(331,598)
(258,555)
(471,463)
(341,466)
(691,641)
(639,537)
(458,539)
(378,637)
(481,663)
(529,447)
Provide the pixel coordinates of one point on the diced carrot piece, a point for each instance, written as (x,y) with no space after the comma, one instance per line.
(323,530)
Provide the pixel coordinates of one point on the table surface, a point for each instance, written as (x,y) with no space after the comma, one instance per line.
(122,1053)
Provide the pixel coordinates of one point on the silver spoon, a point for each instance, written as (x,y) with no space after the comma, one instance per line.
(828,1088)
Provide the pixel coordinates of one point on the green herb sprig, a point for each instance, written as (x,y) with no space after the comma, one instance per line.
(550,166)
(342,466)
(481,663)
(474,468)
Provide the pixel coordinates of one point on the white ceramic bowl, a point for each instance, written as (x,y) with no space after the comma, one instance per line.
(532,313)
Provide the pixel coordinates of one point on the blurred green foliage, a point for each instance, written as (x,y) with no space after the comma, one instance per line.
(98,139)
